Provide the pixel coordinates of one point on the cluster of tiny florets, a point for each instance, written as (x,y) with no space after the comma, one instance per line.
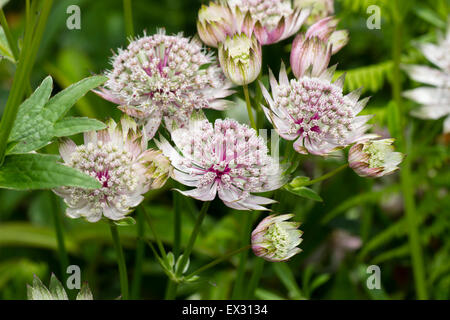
(171,75)
(110,165)
(279,239)
(268,12)
(228,158)
(229,153)
(317,109)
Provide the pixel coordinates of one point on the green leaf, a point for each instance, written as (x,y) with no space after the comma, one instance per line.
(38,171)
(70,126)
(304,192)
(58,106)
(286,276)
(37,120)
(29,111)
(5,50)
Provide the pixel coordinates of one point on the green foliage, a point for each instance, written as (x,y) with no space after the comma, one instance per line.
(39,119)
(370,78)
(39,171)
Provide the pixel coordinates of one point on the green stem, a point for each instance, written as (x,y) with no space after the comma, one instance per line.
(140,254)
(120,261)
(25,65)
(218,260)
(326,176)
(177,224)
(405,173)
(245,235)
(249,107)
(128,17)
(254,280)
(155,235)
(62,252)
(171,286)
(172,290)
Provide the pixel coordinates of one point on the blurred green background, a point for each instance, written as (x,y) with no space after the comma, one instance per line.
(360,222)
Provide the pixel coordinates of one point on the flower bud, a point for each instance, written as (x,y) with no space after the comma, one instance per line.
(214,23)
(312,53)
(276,239)
(374,158)
(240,57)
(325,30)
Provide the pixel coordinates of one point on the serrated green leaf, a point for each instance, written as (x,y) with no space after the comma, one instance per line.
(304,192)
(60,104)
(38,171)
(71,125)
(29,111)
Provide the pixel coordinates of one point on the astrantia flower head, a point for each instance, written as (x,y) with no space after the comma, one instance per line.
(374,158)
(270,20)
(118,158)
(56,290)
(241,58)
(274,20)
(165,77)
(276,239)
(314,112)
(314,49)
(435,100)
(227,159)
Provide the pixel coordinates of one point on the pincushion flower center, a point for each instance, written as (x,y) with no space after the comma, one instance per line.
(279,239)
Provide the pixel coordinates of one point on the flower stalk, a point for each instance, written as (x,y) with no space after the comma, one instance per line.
(120,261)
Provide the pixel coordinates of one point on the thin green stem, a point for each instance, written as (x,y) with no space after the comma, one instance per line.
(245,235)
(155,235)
(217,261)
(140,255)
(177,223)
(128,17)
(26,61)
(326,176)
(120,261)
(249,107)
(254,280)
(172,288)
(405,172)
(62,252)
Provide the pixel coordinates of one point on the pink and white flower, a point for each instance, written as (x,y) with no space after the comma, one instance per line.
(270,20)
(165,77)
(435,99)
(275,239)
(374,158)
(227,159)
(118,158)
(314,49)
(314,112)
(319,9)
